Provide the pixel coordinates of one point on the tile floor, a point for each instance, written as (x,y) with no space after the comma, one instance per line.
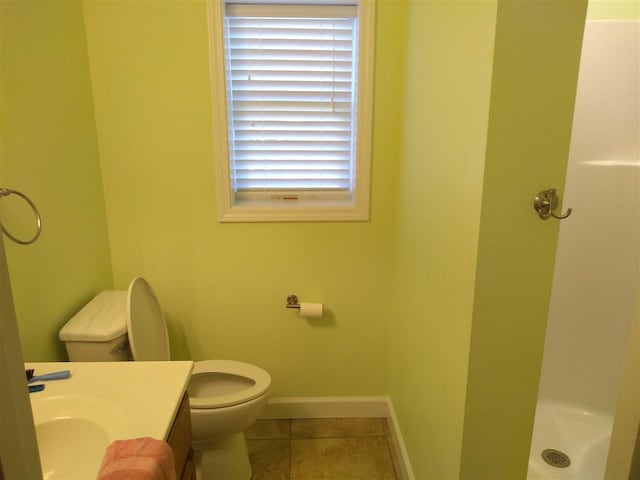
(329,448)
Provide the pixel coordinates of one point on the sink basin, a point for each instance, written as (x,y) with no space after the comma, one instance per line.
(73,432)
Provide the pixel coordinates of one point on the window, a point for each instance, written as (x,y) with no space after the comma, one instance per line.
(293,108)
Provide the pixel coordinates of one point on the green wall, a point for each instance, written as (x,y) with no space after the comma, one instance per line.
(490,92)
(535,71)
(448,79)
(49,152)
(223,286)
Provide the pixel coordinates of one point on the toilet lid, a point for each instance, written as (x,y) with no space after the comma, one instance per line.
(148,337)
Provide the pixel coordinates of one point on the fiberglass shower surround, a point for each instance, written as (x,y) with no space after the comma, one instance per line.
(595,286)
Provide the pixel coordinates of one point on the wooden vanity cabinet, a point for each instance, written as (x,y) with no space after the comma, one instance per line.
(179,439)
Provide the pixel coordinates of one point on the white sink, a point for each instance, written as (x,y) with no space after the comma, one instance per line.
(77,418)
(73,432)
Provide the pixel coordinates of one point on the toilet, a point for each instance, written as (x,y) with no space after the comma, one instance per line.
(225,396)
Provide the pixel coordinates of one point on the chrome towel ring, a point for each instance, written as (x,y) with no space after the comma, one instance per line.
(5,192)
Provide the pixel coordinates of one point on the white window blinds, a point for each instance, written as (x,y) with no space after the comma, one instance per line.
(291,90)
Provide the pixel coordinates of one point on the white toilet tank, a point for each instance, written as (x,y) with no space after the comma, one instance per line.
(98,332)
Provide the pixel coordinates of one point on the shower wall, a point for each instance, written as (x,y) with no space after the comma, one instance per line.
(596,275)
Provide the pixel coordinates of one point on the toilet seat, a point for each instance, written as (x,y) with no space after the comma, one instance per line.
(252,382)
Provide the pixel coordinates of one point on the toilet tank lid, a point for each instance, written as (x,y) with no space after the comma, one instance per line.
(100,320)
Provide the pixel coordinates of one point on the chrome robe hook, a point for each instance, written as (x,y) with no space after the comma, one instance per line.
(546,202)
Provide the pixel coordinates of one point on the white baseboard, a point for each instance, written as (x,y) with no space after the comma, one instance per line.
(343,407)
(406,472)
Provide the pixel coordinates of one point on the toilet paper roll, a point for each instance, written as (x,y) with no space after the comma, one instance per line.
(311,310)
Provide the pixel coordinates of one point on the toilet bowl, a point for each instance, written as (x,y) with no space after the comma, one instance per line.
(225,396)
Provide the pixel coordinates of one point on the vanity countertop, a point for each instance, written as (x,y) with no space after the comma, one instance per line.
(107,400)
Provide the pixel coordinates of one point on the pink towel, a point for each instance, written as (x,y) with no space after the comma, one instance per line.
(138,459)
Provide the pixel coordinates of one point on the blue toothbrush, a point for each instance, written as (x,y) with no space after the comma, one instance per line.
(48,376)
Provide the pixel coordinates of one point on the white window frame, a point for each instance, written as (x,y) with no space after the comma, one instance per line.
(303,209)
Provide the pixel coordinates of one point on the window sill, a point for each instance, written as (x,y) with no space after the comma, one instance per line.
(293,211)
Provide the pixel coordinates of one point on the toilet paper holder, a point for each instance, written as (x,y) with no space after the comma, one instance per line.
(292,302)
(305,310)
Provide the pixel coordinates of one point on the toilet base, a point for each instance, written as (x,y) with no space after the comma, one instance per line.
(224,460)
